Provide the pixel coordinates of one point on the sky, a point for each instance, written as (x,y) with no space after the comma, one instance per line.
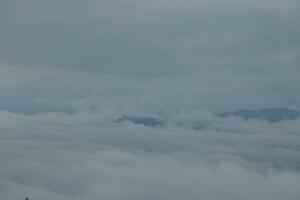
(69,69)
(176,55)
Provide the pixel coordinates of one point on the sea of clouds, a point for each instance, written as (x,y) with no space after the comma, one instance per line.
(69,69)
(195,155)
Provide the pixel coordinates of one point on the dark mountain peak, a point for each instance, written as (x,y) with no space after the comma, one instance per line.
(146,121)
(269,114)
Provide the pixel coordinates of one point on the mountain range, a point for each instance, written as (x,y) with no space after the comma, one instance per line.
(146,121)
(268,114)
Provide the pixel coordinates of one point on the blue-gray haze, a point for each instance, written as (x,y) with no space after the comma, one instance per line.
(121,99)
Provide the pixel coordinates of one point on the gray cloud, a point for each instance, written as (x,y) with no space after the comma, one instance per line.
(228,55)
(151,39)
(87,156)
(70,68)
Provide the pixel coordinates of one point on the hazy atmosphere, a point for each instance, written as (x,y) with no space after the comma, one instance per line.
(143,100)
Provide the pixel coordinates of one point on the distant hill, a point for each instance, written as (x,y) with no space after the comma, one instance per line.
(146,121)
(270,114)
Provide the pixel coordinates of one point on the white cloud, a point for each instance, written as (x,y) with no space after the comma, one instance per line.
(69,69)
(87,156)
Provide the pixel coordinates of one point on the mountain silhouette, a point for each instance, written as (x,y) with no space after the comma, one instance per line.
(146,121)
(268,114)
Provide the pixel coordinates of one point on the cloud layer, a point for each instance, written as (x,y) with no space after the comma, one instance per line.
(88,156)
(228,54)
(69,69)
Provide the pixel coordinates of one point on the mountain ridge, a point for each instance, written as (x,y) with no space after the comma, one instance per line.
(268,114)
(146,121)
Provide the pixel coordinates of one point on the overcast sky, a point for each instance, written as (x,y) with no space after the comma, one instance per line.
(144,56)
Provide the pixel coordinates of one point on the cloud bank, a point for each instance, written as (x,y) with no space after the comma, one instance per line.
(218,55)
(69,69)
(87,155)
